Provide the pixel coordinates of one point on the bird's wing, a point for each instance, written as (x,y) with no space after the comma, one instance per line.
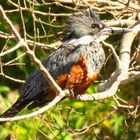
(67,60)
(58,64)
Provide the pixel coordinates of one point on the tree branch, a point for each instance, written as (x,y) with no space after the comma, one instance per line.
(31,54)
(109,88)
(39,111)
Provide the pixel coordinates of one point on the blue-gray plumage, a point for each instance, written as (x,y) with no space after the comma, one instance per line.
(75,65)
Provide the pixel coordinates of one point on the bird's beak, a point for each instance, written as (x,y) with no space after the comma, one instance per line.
(116,30)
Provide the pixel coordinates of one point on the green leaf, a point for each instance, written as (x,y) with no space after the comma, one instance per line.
(4,89)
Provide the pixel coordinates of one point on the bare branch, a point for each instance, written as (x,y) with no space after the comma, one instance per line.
(10,50)
(11,78)
(85,129)
(39,111)
(24,45)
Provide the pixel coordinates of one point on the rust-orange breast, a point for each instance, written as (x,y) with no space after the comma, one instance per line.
(77,80)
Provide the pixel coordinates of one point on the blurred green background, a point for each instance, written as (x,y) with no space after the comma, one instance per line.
(70,119)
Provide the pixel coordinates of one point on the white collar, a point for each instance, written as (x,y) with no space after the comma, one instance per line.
(82,40)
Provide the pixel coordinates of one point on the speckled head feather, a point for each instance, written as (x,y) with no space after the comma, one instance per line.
(83,23)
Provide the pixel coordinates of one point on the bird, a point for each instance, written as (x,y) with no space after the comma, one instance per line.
(75,65)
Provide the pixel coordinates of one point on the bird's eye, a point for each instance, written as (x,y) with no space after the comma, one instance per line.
(95,25)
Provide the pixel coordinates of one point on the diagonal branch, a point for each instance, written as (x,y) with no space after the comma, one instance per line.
(39,111)
(24,45)
(60,94)
(10,50)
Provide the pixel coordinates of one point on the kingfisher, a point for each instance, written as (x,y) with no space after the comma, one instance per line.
(74,65)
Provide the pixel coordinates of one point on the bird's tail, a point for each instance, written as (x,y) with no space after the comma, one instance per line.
(15,109)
